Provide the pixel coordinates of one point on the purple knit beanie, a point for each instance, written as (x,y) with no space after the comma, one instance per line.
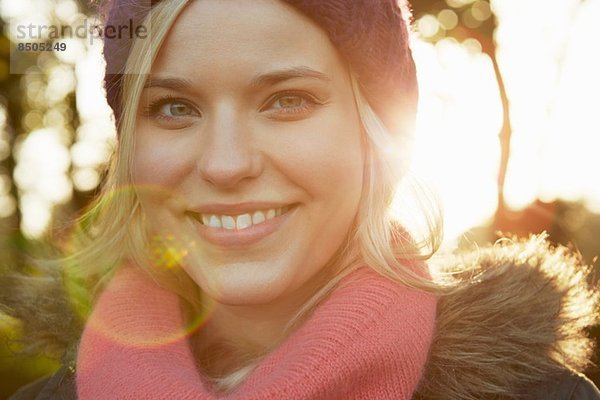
(370,35)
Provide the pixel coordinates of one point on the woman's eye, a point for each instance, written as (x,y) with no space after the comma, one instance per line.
(289,102)
(175,109)
(292,105)
(170,110)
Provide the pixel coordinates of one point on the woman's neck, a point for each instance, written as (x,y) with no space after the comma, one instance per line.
(235,334)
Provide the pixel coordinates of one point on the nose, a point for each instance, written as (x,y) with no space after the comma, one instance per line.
(227,156)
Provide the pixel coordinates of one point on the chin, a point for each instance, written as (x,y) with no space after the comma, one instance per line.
(244,284)
(245,297)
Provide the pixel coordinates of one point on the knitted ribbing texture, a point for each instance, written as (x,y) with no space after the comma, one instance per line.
(368,340)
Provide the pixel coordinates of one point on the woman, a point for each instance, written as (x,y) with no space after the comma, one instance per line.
(248,252)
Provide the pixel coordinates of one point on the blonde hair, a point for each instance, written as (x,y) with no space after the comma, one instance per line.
(114,228)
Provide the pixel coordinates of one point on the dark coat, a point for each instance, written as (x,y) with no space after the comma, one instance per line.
(569,386)
(512,326)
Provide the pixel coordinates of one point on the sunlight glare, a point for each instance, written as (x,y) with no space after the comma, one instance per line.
(15,9)
(65,9)
(85,179)
(8,205)
(448,19)
(36,215)
(428,25)
(550,67)
(459,118)
(41,176)
(61,81)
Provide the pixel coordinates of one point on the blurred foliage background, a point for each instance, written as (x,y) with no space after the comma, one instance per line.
(507,129)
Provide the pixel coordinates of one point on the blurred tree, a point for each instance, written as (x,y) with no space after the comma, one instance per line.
(566,223)
(473,20)
(12,111)
(27,105)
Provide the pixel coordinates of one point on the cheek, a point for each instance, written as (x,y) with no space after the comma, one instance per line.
(160,165)
(327,161)
(162,162)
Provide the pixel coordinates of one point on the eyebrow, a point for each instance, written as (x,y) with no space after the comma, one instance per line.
(168,83)
(270,78)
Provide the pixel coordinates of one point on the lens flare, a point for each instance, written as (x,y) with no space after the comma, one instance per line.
(166,252)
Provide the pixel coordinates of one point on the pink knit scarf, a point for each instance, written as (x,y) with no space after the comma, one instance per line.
(368,340)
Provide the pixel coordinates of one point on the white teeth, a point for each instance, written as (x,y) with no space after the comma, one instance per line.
(258,217)
(242,221)
(214,222)
(228,222)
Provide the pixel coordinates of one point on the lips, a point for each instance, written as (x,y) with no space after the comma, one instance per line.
(242,228)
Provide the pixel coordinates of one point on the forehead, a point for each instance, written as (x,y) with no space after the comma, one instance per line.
(235,38)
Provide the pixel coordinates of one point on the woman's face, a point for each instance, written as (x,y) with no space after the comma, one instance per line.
(248,152)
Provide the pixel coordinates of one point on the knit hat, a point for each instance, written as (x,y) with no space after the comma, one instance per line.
(370,35)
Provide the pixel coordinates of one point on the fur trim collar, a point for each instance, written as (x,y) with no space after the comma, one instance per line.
(515,316)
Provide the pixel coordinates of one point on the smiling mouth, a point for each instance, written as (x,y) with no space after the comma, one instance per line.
(239,221)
